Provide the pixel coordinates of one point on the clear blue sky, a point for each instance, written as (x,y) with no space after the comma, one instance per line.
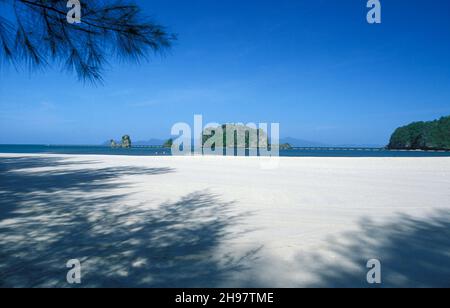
(316,67)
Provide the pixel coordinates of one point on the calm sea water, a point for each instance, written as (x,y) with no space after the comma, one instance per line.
(303,152)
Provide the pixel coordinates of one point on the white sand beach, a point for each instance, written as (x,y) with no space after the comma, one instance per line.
(223,221)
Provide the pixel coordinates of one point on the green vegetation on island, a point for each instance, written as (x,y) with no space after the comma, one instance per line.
(168,144)
(433,135)
(258,136)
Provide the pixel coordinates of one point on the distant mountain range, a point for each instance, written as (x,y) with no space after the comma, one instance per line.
(362,145)
(300,143)
(150,142)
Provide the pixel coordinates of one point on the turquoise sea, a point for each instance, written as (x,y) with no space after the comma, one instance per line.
(297,152)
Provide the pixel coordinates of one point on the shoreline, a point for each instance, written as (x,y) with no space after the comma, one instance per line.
(2,155)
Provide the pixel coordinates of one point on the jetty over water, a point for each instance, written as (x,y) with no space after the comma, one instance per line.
(293,148)
(338,149)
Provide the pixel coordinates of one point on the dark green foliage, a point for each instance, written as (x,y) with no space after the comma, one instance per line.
(434,135)
(36,34)
(259,136)
(168,144)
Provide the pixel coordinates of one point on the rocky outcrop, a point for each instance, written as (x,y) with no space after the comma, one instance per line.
(126,142)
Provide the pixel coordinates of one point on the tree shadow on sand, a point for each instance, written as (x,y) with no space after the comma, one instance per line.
(49,217)
(22,182)
(413,253)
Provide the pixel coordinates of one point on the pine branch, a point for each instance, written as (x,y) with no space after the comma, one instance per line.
(41,35)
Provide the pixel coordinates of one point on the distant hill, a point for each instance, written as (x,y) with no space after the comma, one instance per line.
(433,135)
(150,142)
(299,143)
(359,145)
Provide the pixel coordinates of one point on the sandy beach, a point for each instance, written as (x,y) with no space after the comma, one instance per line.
(223,221)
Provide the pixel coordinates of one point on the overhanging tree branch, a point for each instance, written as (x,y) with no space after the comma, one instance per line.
(40,35)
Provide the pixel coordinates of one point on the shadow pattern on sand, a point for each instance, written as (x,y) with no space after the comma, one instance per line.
(413,253)
(77,211)
(49,217)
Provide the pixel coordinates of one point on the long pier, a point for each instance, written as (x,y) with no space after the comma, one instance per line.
(149,147)
(293,148)
(337,149)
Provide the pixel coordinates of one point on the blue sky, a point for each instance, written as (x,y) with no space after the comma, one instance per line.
(316,67)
